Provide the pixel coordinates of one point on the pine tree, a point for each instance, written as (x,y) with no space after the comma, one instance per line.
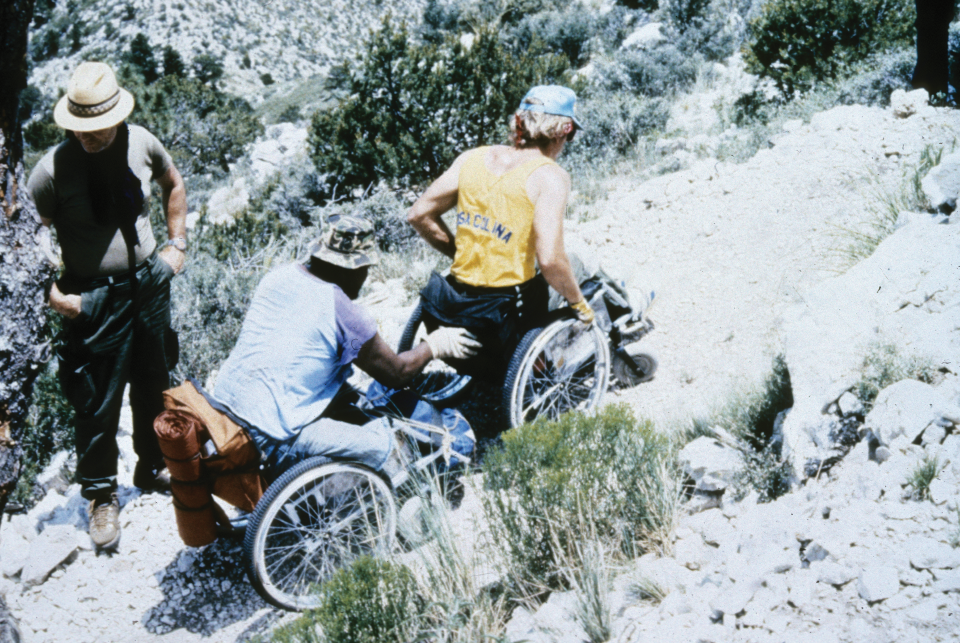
(173,64)
(142,59)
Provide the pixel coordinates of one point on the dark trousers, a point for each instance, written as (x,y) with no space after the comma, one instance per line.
(933,24)
(121,336)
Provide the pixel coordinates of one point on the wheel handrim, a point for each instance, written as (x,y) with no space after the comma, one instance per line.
(321,522)
(565,369)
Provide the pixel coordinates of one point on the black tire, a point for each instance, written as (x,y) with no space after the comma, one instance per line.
(410,330)
(625,375)
(538,383)
(315,518)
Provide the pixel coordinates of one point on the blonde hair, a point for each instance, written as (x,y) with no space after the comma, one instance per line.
(537,128)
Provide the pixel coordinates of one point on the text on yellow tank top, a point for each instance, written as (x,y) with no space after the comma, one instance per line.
(494,235)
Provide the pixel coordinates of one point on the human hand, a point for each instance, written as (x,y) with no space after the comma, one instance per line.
(584,312)
(175,258)
(66,305)
(447,342)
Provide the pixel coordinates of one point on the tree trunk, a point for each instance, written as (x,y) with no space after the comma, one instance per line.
(24,272)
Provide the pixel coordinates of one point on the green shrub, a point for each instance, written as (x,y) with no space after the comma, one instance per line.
(553,485)
(371,601)
(750,416)
(800,42)
(173,64)
(49,426)
(207,69)
(210,299)
(922,475)
(204,129)
(615,123)
(412,108)
(140,57)
(884,365)
(662,71)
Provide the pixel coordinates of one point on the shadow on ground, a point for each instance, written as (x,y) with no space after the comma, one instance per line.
(205,590)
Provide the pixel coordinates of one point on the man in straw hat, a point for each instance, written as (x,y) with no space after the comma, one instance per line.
(114,292)
(299,340)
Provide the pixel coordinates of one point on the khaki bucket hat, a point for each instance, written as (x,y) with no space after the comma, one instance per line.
(94,101)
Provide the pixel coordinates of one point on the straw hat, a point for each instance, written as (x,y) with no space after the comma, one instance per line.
(94,101)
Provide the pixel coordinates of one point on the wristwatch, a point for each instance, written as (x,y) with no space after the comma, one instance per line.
(179,243)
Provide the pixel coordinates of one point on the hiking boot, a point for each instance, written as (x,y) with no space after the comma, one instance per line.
(148,478)
(105,522)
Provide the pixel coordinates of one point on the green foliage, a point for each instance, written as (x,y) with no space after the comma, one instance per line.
(371,601)
(140,57)
(568,32)
(800,42)
(207,69)
(204,129)
(43,132)
(662,71)
(412,108)
(49,426)
(884,365)
(750,416)
(266,79)
(210,299)
(923,474)
(173,64)
(553,485)
(886,207)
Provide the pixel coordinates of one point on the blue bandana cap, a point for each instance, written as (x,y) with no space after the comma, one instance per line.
(556,99)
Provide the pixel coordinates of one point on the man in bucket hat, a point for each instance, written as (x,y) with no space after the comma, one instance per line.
(299,340)
(114,291)
(510,202)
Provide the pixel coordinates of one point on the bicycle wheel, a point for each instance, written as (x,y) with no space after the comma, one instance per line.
(562,367)
(317,517)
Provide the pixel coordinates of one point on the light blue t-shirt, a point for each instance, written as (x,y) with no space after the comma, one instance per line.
(294,352)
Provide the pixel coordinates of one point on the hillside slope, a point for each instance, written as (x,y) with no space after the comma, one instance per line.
(286,39)
(725,246)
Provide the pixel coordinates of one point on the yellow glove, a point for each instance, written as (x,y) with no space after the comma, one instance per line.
(584,312)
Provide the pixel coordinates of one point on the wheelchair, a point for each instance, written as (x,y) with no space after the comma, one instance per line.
(321,514)
(562,365)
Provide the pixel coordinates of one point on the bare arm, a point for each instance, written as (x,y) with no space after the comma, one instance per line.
(548,188)
(66,305)
(425,214)
(175,207)
(378,360)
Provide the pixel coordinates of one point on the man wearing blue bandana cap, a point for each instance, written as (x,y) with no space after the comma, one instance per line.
(510,202)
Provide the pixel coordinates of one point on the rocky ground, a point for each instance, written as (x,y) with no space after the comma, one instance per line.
(730,250)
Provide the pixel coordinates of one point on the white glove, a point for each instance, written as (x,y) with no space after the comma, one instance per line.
(457,343)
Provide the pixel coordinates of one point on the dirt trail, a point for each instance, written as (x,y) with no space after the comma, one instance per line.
(727,247)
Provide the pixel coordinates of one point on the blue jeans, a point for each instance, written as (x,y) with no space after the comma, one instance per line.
(369,444)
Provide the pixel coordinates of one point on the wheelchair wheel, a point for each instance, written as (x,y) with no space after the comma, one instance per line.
(562,367)
(315,518)
(410,330)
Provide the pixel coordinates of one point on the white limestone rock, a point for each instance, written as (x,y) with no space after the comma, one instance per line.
(948,582)
(711,464)
(907,408)
(226,203)
(833,573)
(905,104)
(941,185)
(645,37)
(51,548)
(927,553)
(878,583)
(849,404)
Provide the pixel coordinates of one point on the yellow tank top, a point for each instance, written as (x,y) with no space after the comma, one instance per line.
(494,235)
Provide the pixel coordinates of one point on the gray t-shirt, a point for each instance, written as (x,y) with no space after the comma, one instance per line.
(58,185)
